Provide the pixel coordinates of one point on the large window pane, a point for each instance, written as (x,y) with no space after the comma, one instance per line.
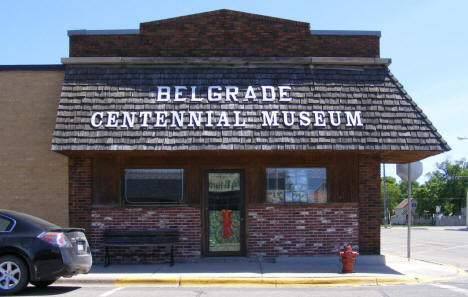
(296,185)
(154,186)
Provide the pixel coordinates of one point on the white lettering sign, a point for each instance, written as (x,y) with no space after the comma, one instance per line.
(94,117)
(164,93)
(223,119)
(353,120)
(179,93)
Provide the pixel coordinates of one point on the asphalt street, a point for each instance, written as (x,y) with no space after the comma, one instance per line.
(437,244)
(448,245)
(454,289)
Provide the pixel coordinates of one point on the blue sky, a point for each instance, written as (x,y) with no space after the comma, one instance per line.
(426,40)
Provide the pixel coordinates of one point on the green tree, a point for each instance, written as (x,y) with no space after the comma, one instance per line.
(428,196)
(404,188)
(393,194)
(446,187)
(455,178)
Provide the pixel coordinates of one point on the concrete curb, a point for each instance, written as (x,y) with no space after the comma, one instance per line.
(276,282)
(255,281)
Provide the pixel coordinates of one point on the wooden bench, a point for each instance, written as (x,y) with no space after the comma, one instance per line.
(139,237)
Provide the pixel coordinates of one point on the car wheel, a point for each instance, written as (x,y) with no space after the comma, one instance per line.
(13,275)
(43,283)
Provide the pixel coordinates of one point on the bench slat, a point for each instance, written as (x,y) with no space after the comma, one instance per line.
(139,232)
(132,245)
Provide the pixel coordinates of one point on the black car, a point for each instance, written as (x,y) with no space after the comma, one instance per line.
(35,251)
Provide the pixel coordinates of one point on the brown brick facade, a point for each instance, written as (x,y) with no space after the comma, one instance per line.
(224,33)
(272,230)
(369,204)
(298,230)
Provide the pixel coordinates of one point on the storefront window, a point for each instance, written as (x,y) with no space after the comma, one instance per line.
(296,185)
(154,186)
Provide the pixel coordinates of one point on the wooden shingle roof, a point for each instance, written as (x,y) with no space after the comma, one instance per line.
(391,121)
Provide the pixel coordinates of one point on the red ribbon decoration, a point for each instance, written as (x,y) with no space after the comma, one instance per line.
(227,222)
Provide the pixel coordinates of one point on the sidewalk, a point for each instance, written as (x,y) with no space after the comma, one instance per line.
(324,270)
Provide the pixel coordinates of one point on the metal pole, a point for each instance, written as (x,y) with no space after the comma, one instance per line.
(385,197)
(409,211)
(466,209)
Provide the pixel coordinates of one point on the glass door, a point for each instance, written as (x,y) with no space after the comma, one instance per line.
(224,212)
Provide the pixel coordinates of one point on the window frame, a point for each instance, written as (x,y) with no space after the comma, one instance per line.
(297,166)
(181,201)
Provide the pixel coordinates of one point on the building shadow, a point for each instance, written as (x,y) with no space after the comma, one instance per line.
(249,267)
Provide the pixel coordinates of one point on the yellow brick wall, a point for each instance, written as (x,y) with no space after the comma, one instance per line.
(33,179)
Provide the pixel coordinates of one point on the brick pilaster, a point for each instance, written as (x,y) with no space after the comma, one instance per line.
(369,204)
(80,192)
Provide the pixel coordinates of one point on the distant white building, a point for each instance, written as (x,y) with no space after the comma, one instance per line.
(401,212)
(401,216)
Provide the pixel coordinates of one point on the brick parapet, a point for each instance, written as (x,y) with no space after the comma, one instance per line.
(369,204)
(226,17)
(224,33)
(301,230)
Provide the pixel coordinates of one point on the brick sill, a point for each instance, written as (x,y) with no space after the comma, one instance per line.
(145,206)
(318,205)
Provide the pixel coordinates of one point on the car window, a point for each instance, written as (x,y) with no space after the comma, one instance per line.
(5,224)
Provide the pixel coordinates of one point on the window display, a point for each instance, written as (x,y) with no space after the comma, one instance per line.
(296,185)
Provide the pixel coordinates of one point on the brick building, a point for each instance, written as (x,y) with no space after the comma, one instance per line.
(252,135)
(33,179)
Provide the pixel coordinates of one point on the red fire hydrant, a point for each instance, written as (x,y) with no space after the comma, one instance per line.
(347,257)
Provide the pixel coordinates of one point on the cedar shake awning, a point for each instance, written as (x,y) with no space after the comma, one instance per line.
(360,108)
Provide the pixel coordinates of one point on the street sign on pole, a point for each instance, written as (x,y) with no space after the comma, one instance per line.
(409,172)
(409,213)
(385,197)
(416,171)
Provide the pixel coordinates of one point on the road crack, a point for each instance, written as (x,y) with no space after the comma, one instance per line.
(382,292)
(200,293)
